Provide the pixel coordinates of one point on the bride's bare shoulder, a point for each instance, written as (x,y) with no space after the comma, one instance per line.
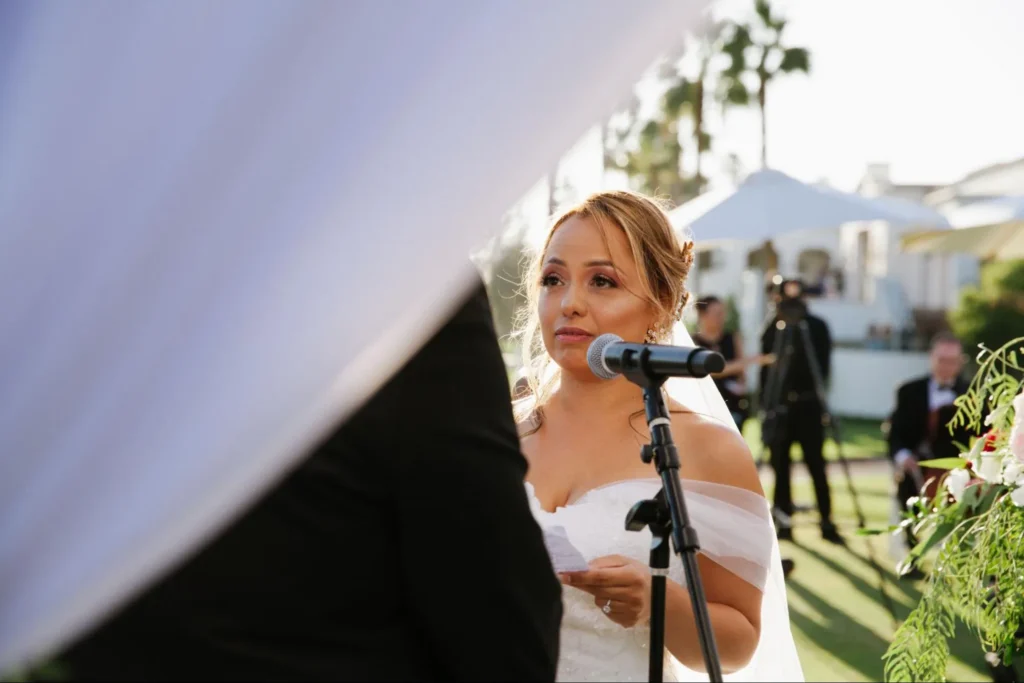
(714,452)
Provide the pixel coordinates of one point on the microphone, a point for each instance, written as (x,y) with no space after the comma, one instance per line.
(608,356)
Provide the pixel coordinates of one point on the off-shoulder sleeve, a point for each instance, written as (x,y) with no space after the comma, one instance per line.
(734,529)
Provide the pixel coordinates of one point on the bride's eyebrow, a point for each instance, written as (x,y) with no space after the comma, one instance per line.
(589,264)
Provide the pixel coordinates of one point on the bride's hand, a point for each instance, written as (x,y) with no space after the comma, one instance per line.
(621,588)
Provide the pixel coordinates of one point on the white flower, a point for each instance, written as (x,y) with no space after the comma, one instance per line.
(1013,472)
(956,483)
(988,466)
(1017,496)
(1017,432)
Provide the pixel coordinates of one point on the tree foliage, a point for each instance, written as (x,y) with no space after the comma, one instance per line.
(992,312)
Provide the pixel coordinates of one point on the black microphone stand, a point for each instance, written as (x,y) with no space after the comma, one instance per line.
(666,516)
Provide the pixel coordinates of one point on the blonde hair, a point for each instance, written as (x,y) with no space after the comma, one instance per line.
(661,261)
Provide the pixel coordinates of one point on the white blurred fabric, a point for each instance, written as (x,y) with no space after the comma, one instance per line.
(223,225)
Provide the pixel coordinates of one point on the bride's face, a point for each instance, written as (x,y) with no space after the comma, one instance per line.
(590,286)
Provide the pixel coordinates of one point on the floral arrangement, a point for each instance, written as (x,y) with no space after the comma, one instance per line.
(976,524)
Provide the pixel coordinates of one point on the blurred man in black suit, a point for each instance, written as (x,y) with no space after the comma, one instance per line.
(402,548)
(924,406)
(797,416)
(917,427)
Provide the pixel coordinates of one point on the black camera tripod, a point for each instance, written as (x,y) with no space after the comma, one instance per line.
(792,321)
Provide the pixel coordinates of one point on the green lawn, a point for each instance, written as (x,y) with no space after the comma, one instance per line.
(861,439)
(839,619)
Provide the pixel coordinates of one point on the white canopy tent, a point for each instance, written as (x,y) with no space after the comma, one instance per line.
(769,203)
(224,225)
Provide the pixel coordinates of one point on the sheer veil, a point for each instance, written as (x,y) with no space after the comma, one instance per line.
(776,657)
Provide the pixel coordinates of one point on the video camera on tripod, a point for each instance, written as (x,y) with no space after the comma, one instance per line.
(789,318)
(788,295)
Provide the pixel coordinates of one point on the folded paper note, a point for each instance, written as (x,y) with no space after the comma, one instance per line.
(564,555)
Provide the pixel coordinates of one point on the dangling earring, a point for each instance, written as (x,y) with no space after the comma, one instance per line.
(650,337)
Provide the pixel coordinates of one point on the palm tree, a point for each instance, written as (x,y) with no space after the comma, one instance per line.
(654,166)
(616,131)
(771,59)
(648,149)
(687,97)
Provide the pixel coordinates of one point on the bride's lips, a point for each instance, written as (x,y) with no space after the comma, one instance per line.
(572,335)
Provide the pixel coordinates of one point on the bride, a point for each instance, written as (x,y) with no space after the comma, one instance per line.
(613,264)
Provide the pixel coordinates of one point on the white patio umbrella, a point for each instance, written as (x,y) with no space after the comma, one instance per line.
(990,229)
(223,225)
(770,203)
(999,242)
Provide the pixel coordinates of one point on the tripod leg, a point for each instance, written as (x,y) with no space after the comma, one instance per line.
(774,385)
(775,377)
(782,466)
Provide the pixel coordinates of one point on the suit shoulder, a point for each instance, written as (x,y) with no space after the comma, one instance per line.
(915,383)
(912,385)
(474,307)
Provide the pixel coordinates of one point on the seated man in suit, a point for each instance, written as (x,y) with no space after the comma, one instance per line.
(401,548)
(918,429)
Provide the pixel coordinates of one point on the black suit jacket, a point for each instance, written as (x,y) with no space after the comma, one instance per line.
(908,426)
(799,378)
(402,548)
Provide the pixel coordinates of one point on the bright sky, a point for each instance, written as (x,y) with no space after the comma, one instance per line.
(932,87)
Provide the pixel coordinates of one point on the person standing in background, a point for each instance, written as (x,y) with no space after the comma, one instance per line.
(712,334)
(798,417)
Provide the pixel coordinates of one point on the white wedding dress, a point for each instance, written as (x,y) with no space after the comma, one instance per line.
(734,529)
